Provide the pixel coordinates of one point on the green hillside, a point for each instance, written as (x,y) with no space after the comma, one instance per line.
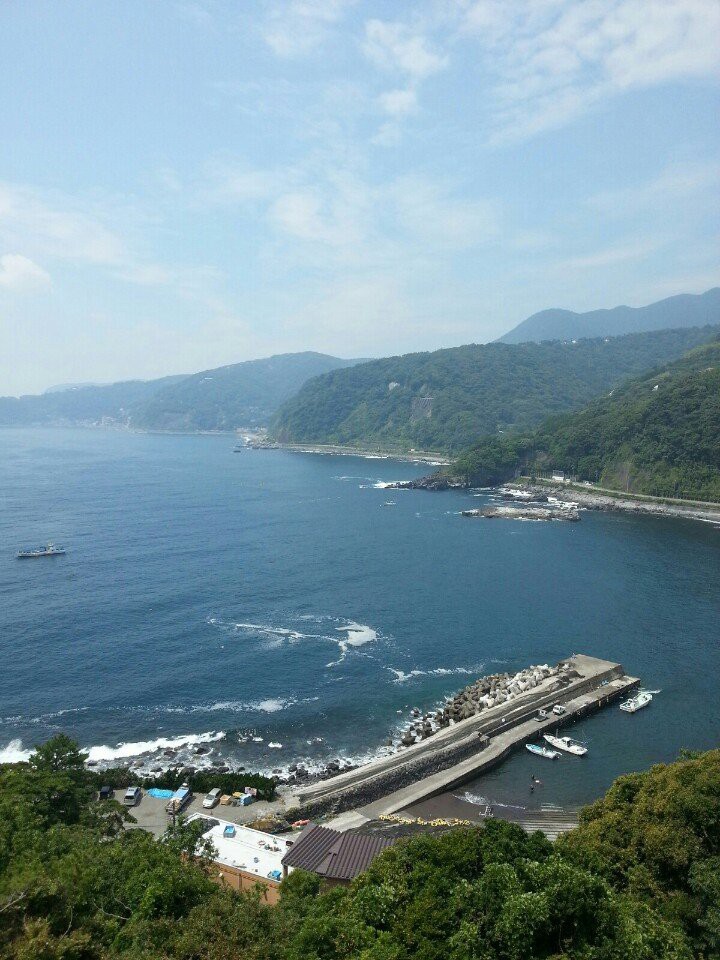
(446,399)
(657,435)
(242,394)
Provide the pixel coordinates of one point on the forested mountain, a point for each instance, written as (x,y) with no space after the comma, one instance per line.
(637,880)
(658,435)
(242,394)
(445,400)
(686,310)
(92,404)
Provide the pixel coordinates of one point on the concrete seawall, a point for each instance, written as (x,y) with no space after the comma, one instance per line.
(458,753)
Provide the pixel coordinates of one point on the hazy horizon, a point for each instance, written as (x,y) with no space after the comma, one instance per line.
(188,184)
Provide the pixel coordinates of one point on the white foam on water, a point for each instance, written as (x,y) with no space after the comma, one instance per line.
(480,801)
(14,753)
(124,751)
(275,746)
(402,676)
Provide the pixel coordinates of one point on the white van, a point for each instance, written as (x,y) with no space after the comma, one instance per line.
(212,798)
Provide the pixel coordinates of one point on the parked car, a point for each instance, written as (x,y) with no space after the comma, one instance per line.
(132,796)
(106,793)
(212,798)
(559,710)
(542,715)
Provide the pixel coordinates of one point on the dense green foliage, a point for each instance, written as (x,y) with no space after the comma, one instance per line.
(199,782)
(445,400)
(657,435)
(638,880)
(240,395)
(686,310)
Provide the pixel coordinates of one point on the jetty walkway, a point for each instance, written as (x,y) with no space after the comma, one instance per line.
(460,752)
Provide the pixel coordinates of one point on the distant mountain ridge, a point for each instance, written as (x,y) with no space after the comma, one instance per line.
(445,400)
(684,310)
(237,395)
(242,394)
(658,434)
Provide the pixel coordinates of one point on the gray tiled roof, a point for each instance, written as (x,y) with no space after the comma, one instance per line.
(334,855)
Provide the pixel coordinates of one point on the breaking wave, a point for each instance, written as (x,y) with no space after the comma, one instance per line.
(402,676)
(123,751)
(14,753)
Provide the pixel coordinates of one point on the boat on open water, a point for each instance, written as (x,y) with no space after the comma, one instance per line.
(567,744)
(49,550)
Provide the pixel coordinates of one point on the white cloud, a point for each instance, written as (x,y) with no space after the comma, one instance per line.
(394,46)
(430,213)
(295,28)
(56,226)
(19,273)
(677,183)
(615,254)
(553,60)
(398,102)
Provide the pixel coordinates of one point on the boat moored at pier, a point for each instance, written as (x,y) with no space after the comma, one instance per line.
(567,744)
(640,700)
(540,751)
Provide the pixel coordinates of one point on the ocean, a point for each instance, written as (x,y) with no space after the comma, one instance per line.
(278,607)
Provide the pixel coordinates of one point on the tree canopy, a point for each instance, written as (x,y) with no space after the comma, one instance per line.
(638,880)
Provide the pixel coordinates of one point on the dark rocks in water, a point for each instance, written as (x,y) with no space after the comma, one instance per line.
(223,769)
(200,750)
(169,752)
(301,773)
(292,768)
(436,481)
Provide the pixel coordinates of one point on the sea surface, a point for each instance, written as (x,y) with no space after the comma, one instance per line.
(278,607)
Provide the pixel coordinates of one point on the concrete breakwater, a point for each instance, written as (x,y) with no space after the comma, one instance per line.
(494,716)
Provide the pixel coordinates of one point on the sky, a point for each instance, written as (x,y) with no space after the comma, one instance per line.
(189,183)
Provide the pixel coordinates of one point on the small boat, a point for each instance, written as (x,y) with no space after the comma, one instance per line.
(49,550)
(541,751)
(637,702)
(567,744)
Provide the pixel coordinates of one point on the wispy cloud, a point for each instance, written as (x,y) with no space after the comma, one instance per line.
(295,28)
(396,47)
(57,226)
(554,60)
(676,183)
(19,273)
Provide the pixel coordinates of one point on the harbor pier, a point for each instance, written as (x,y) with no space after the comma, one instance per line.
(460,752)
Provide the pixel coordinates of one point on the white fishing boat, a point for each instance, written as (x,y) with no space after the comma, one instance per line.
(640,700)
(541,751)
(567,744)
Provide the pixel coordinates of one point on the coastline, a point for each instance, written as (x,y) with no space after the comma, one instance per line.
(369,453)
(599,499)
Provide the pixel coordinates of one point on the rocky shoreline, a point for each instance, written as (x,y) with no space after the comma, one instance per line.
(594,500)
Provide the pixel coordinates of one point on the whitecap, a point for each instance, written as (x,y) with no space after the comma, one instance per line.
(275,746)
(14,753)
(126,750)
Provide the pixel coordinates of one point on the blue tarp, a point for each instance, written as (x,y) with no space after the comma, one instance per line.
(160,794)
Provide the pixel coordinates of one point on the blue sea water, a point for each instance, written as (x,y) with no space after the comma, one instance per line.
(212,597)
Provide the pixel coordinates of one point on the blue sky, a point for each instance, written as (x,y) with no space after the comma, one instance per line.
(187,183)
